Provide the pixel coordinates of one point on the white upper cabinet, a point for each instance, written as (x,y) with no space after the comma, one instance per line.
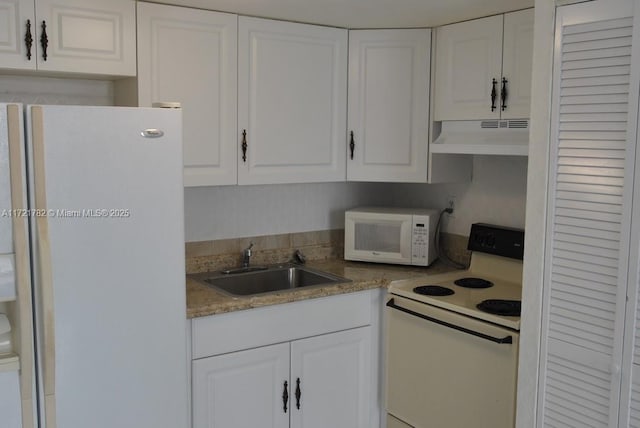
(468,60)
(190,56)
(75,36)
(388,105)
(483,68)
(292,98)
(17,18)
(517,61)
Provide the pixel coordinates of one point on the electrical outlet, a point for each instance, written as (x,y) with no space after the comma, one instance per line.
(452,203)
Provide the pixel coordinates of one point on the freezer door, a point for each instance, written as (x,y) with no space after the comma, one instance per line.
(109,266)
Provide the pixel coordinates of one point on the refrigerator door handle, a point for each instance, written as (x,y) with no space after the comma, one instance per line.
(44,266)
(152,133)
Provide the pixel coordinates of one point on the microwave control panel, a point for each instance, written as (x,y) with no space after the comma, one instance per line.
(420,238)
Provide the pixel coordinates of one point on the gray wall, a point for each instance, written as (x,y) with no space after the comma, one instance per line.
(48,90)
(496,195)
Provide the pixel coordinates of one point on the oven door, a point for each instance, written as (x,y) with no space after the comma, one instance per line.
(448,370)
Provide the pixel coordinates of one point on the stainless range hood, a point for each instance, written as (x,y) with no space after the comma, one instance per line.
(483,137)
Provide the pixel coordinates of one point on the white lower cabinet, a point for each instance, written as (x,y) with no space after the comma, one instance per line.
(331,373)
(311,364)
(242,389)
(318,382)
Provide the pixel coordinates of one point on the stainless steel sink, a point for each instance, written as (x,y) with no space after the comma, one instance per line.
(261,280)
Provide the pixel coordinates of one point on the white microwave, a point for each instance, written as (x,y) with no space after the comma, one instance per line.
(390,235)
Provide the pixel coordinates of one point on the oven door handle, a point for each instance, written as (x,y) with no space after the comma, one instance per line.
(500,340)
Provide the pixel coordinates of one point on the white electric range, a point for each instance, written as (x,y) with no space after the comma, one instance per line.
(458,343)
(492,279)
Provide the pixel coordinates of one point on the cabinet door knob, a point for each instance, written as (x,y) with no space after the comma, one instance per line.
(298,393)
(352,144)
(44,40)
(244,145)
(285,396)
(494,94)
(28,39)
(503,95)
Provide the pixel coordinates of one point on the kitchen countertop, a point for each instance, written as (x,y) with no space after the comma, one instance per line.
(203,300)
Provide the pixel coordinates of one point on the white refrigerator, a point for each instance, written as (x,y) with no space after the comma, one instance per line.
(97,244)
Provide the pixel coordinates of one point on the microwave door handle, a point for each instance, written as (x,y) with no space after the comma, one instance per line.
(500,340)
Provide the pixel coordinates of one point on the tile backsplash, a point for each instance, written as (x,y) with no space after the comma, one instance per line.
(203,256)
(206,256)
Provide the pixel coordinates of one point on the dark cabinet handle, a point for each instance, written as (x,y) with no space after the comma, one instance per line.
(352,144)
(44,40)
(244,145)
(28,39)
(285,396)
(503,95)
(494,94)
(298,393)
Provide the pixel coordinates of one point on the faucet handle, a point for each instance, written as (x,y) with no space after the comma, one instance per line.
(298,257)
(248,249)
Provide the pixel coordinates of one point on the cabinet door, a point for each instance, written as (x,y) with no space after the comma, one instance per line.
(389,104)
(292,93)
(242,389)
(517,60)
(87,36)
(468,59)
(333,372)
(16,18)
(190,55)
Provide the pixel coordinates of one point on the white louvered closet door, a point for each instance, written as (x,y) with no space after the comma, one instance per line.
(595,93)
(631,391)
(630,403)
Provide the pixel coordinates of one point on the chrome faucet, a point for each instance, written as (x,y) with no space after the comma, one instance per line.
(246,256)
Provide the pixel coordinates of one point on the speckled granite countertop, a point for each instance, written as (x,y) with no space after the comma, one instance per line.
(203,300)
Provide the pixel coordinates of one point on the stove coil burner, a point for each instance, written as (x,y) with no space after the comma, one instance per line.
(501,307)
(473,283)
(433,290)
